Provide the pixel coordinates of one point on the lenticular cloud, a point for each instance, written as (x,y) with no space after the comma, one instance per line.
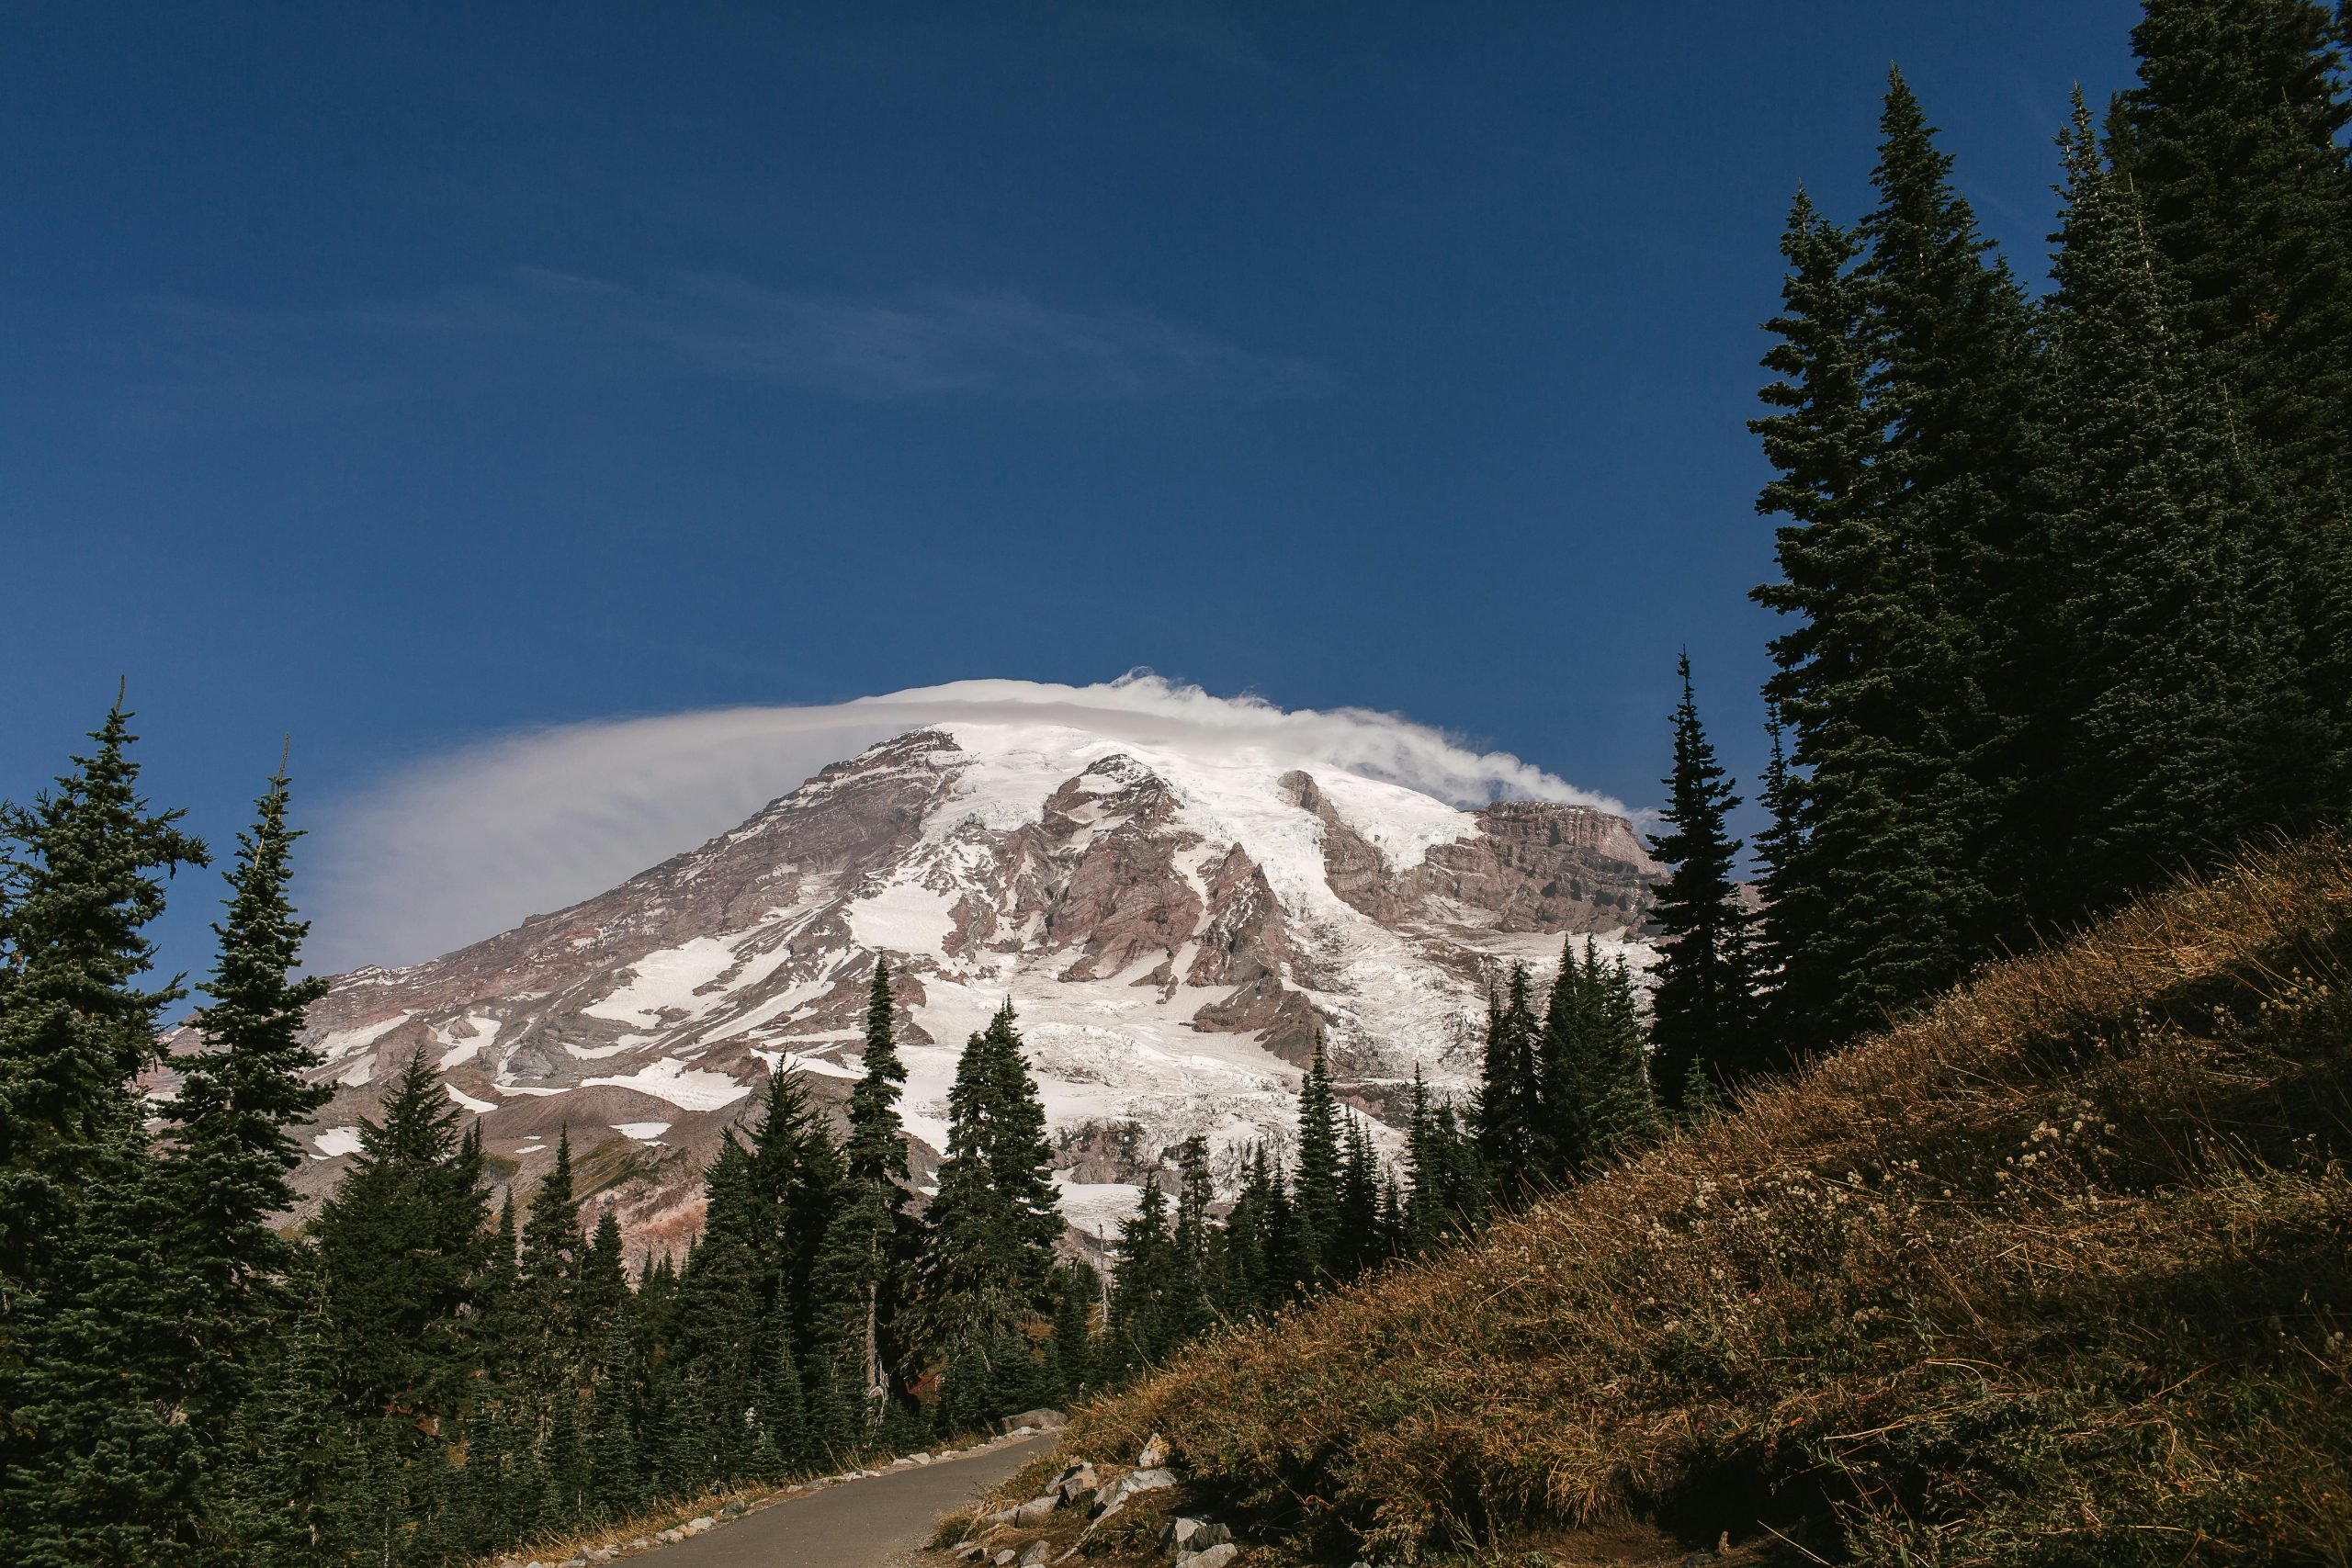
(450,851)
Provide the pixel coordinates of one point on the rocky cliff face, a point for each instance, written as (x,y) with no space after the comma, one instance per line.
(1174,930)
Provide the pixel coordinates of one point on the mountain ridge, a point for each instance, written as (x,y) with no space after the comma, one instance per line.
(1173,927)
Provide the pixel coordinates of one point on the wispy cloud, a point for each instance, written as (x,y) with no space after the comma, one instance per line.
(457,848)
(947,343)
(544,324)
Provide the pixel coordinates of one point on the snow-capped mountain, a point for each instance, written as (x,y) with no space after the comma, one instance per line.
(1173,925)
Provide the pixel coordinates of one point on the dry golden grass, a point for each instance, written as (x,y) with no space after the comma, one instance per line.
(2055,1271)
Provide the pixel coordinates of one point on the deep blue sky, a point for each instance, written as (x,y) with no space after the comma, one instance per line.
(397,375)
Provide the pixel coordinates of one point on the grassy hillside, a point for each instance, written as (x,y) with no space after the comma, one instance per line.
(2056,1272)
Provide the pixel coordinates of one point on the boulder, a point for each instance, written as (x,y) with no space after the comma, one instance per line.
(1109,1498)
(1078,1478)
(1038,1420)
(1038,1552)
(1214,1557)
(1035,1511)
(1153,1455)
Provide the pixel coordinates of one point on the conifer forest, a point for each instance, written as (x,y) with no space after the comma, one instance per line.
(2064,610)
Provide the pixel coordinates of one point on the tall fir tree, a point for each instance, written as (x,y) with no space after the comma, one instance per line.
(1193,1309)
(1446,1196)
(93,1358)
(546,1274)
(85,866)
(795,1171)
(2231,144)
(1823,443)
(987,1258)
(241,1094)
(1074,1353)
(862,1264)
(1702,1009)
(1962,655)
(1514,1146)
(1915,561)
(1358,1242)
(1316,1187)
(1143,1287)
(402,1245)
(2189,731)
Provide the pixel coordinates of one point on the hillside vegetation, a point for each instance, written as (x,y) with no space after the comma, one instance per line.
(2055,1271)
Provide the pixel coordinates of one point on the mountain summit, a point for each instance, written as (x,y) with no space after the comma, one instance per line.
(1173,925)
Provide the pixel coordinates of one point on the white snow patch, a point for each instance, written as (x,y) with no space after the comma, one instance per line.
(665,980)
(905,917)
(643,1131)
(335,1141)
(525,1088)
(688,1089)
(1097,1207)
(344,1042)
(484,1033)
(798,1062)
(598,1053)
(478,1107)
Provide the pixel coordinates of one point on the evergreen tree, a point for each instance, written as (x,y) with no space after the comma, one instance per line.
(1513,1147)
(85,867)
(1941,702)
(1778,849)
(1251,1272)
(600,1291)
(1317,1186)
(615,1473)
(1622,1106)
(863,1263)
(501,1326)
(112,1477)
(796,1174)
(1142,1288)
(1917,562)
(1191,1309)
(2231,145)
(289,1449)
(1073,1354)
(240,1094)
(726,1343)
(402,1245)
(2189,726)
(1448,1194)
(547,1278)
(988,1243)
(1823,443)
(93,1357)
(1702,1009)
(1357,1245)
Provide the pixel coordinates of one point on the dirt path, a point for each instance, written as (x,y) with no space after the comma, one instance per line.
(854,1524)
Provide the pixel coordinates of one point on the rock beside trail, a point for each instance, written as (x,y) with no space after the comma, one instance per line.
(1185,1534)
(1043,1419)
(1109,1498)
(1216,1556)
